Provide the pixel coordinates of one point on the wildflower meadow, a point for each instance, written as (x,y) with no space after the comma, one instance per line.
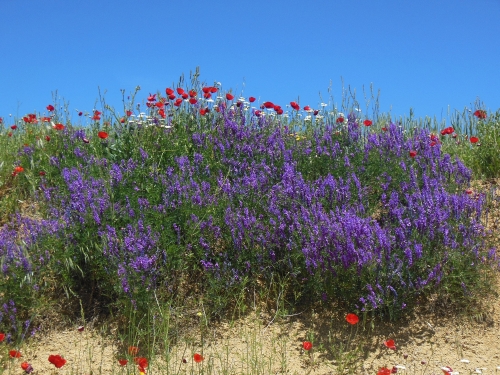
(191,206)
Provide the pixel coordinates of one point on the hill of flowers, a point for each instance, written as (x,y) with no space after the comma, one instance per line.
(204,195)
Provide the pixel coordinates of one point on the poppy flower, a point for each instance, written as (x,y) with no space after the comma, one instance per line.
(206,90)
(390,344)
(122,362)
(18,169)
(85,140)
(251,99)
(198,357)
(41,173)
(295,106)
(15,354)
(47,138)
(448,130)
(129,113)
(57,360)
(9,134)
(468,191)
(178,102)
(384,129)
(13,127)
(102,135)
(307,345)
(340,120)
(394,370)
(50,108)
(133,350)
(46,119)
(171,97)
(2,336)
(413,153)
(169,91)
(58,126)
(192,93)
(97,116)
(80,113)
(185,95)
(180,91)
(152,98)
(141,362)
(315,112)
(474,139)
(257,113)
(27,367)
(352,318)
(229,96)
(480,114)
(193,101)
(268,105)
(384,371)
(367,122)
(207,95)
(80,328)
(159,104)
(162,114)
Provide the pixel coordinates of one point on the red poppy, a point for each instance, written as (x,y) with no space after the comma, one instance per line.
(193,101)
(394,370)
(180,91)
(384,129)
(169,91)
(15,354)
(50,108)
(229,96)
(152,98)
(192,93)
(480,114)
(171,97)
(27,367)
(41,173)
(161,112)
(390,344)
(46,119)
(47,138)
(133,350)
(57,360)
(159,104)
(340,120)
(413,153)
(18,170)
(474,139)
(448,130)
(141,362)
(251,99)
(122,362)
(268,105)
(184,95)
(1,120)
(206,90)
(307,345)
(352,318)
(432,144)
(315,112)
(468,191)
(2,336)
(384,371)
(13,127)
(59,126)
(279,111)
(207,95)
(367,122)
(178,102)
(9,134)
(198,357)
(31,118)
(102,135)
(257,113)
(80,113)
(295,106)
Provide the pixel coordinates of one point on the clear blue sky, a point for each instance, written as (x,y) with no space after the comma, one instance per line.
(424,54)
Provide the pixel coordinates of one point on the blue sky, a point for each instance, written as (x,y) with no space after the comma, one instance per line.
(427,55)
